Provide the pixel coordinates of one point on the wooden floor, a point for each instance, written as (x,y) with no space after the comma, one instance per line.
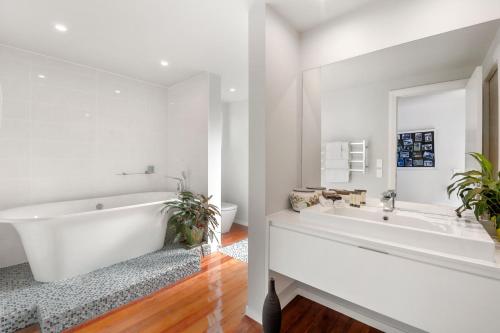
(237,233)
(213,300)
(302,315)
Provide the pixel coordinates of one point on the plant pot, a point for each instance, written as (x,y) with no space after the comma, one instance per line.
(490,227)
(303,198)
(193,235)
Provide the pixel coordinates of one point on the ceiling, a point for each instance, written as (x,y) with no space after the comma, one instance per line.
(450,55)
(306,14)
(131,37)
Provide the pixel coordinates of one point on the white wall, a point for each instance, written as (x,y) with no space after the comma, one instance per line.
(189,108)
(214,148)
(67,136)
(444,112)
(283,124)
(235,158)
(194,134)
(388,23)
(283,117)
(274,134)
(257,236)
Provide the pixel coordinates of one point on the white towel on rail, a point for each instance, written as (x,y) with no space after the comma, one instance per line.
(337,150)
(337,162)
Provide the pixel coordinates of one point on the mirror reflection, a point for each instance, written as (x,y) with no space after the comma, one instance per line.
(402,118)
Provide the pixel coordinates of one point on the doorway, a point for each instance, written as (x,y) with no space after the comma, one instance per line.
(491,121)
(431,128)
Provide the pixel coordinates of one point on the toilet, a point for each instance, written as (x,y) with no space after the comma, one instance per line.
(228,212)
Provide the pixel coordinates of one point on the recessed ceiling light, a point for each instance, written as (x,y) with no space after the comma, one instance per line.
(60,27)
(232,90)
(41,76)
(164,63)
(117,91)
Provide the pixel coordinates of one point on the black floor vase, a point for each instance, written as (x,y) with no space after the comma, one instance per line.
(271,314)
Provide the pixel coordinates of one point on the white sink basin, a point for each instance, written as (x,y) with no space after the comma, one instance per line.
(426,232)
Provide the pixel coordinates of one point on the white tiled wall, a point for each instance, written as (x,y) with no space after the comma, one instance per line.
(188,112)
(67,135)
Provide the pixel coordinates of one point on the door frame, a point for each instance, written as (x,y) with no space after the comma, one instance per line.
(394,96)
(486,111)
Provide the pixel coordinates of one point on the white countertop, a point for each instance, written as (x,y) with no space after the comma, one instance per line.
(291,220)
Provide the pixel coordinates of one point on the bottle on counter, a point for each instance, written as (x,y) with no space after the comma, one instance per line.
(363,196)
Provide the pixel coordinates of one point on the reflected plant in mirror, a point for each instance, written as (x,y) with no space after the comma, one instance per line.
(479,191)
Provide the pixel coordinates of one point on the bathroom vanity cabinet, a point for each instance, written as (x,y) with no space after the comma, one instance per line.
(428,291)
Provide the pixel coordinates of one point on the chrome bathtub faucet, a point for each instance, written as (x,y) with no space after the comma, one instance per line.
(388,199)
(181,182)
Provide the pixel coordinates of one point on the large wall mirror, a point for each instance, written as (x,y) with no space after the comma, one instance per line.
(404,117)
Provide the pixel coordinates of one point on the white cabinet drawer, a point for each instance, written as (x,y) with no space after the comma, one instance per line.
(425,296)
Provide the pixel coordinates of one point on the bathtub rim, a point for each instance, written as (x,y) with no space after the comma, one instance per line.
(14,221)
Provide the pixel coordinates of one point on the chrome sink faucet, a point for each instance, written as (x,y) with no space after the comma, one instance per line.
(388,199)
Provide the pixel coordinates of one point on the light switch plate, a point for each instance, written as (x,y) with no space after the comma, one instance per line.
(379,163)
(379,173)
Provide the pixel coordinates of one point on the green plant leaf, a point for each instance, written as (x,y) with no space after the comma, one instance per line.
(478,190)
(190,211)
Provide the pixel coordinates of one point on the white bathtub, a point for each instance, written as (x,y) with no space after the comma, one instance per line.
(65,239)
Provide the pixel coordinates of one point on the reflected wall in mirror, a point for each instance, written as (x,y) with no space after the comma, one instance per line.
(401,118)
(311,123)
(431,139)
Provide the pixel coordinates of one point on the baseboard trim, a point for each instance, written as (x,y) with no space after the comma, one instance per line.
(245,223)
(254,315)
(288,294)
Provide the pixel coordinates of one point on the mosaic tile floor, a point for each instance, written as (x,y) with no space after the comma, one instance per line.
(59,305)
(238,251)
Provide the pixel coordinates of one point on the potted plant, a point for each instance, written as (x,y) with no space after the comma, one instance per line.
(194,218)
(479,191)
